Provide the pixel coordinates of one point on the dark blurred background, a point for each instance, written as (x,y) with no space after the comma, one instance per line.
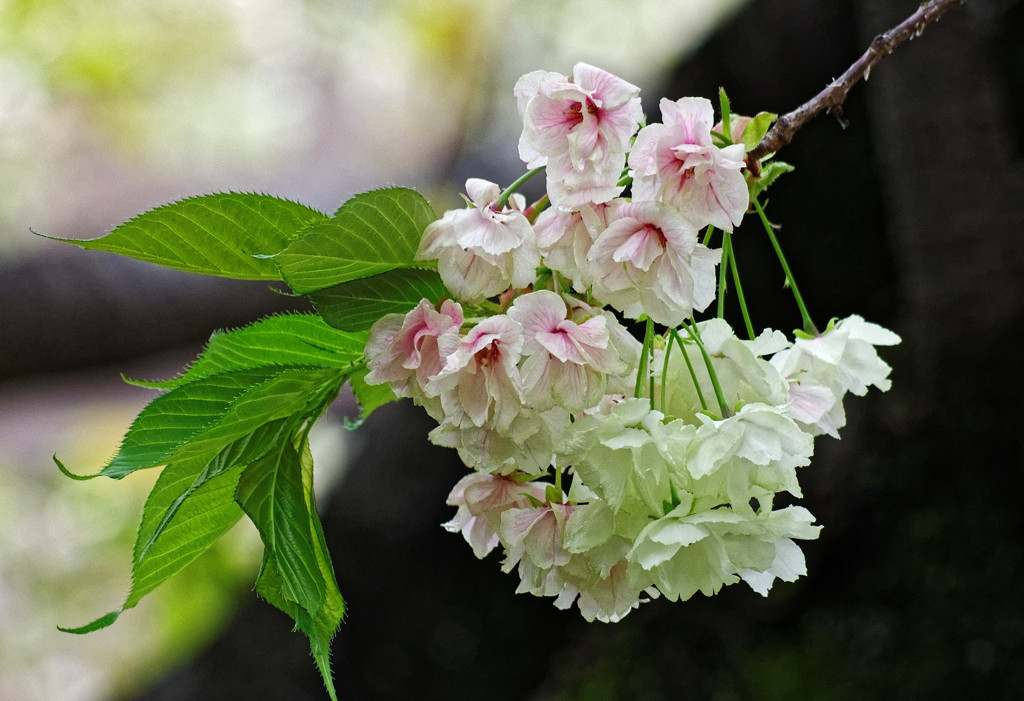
(911,216)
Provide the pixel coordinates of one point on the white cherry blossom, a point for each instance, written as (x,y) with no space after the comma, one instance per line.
(743,375)
(672,474)
(822,369)
(683,553)
(528,444)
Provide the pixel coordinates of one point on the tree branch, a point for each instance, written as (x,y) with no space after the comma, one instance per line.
(833,96)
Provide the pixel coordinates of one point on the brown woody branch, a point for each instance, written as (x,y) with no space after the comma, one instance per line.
(833,96)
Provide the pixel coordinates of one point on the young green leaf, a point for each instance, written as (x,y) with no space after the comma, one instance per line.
(183,516)
(222,234)
(370,234)
(287,339)
(770,172)
(726,109)
(201,516)
(756,128)
(357,305)
(321,624)
(297,394)
(272,494)
(200,419)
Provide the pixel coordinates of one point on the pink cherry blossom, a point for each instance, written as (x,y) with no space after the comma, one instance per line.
(565,237)
(648,261)
(677,163)
(482,250)
(737,124)
(403,350)
(479,383)
(580,128)
(482,499)
(566,363)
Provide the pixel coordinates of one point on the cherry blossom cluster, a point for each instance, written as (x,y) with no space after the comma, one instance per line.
(610,470)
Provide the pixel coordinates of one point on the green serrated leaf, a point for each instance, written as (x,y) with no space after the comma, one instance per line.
(319,628)
(357,305)
(200,419)
(291,393)
(166,543)
(287,339)
(370,234)
(221,234)
(319,625)
(243,451)
(271,494)
(100,623)
(173,419)
(184,515)
(253,446)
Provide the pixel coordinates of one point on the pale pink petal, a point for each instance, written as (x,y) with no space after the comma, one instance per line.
(614,92)
(694,114)
(593,183)
(537,312)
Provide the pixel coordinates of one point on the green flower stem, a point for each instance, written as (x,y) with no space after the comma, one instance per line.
(707,235)
(650,388)
(674,336)
(503,198)
(646,351)
(728,252)
(695,335)
(664,375)
(723,279)
(809,326)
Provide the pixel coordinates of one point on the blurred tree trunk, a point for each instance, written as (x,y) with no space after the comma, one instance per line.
(68,309)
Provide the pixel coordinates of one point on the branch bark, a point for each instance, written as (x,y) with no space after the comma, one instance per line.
(833,96)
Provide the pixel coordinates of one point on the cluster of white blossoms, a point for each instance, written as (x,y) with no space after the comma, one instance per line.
(607,470)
